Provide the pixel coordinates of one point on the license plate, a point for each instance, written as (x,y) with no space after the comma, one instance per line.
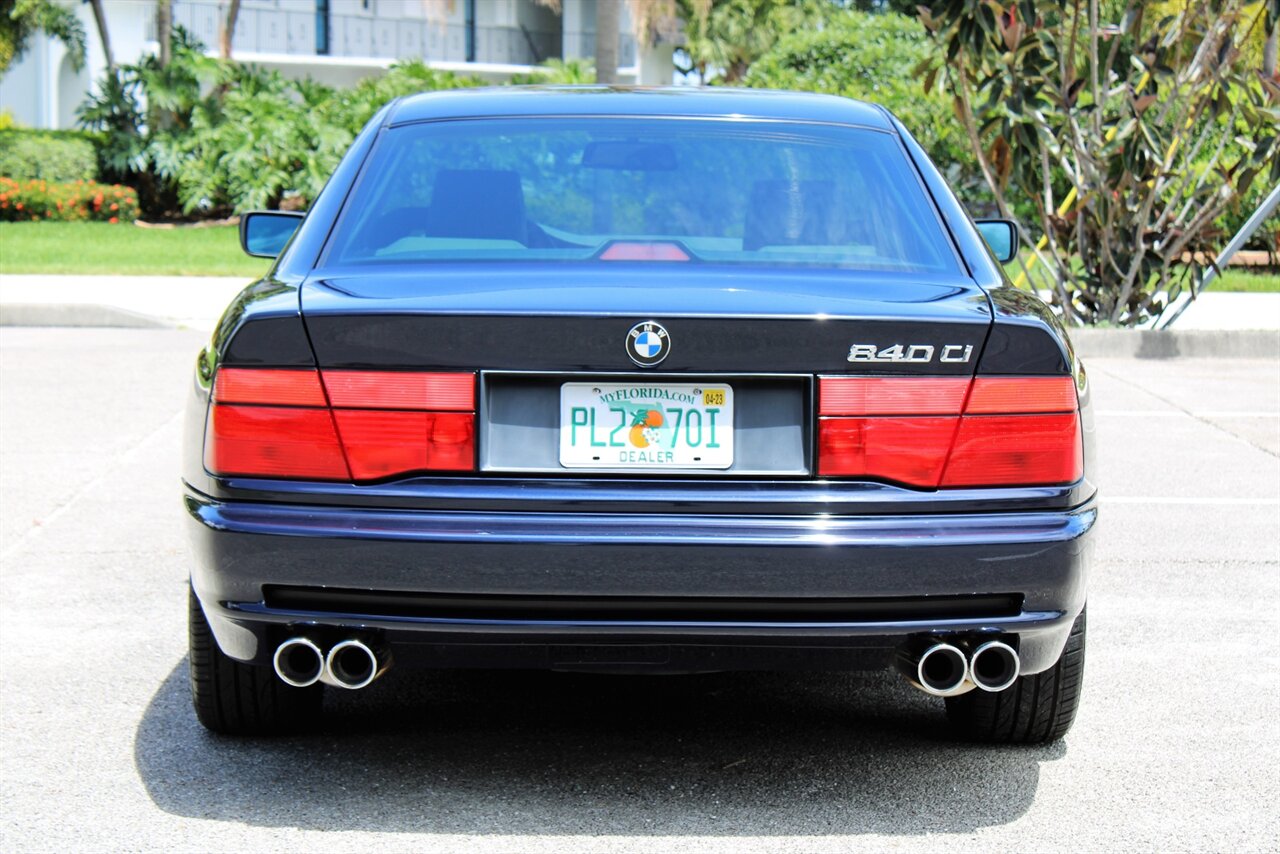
(638,426)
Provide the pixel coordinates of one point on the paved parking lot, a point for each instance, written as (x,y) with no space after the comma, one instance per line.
(1175,746)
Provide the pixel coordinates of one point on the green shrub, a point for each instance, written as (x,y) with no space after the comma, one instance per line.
(557,72)
(51,155)
(77,201)
(872,57)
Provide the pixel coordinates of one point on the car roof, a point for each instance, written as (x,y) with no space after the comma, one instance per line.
(717,101)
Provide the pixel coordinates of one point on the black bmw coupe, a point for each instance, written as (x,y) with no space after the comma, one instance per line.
(650,380)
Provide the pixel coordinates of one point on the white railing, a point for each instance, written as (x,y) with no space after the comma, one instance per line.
(293,31)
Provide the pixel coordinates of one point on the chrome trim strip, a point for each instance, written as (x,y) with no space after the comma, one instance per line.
(1028,621)
(645,529)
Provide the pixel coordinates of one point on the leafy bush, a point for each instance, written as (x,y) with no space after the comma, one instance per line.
(1267,237)
(351,109)
(871,57)
(556,71)
(78,201)
(1131,147)
(49,155)
(218,137)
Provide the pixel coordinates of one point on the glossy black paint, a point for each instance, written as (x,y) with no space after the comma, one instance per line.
(712,103)
(603,534)
(240,545)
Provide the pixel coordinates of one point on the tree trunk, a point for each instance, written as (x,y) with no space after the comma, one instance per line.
(607,41)
(100,18)
(164,29)
(229,29)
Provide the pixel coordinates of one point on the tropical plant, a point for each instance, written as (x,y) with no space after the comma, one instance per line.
(352,108)
(21,19)
(724,37)
(557,71)
(264,139)
(201,135)
(135,107)
(871,57)
(1130,133)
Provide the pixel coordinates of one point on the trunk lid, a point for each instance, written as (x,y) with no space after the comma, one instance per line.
(575,317)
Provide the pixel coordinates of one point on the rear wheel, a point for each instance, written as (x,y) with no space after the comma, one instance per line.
(1035,709)
(234,698)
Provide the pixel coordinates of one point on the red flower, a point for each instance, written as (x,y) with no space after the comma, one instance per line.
(113,219)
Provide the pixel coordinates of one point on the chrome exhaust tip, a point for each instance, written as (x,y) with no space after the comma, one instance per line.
(353,664)
(939,669)
(994,666)
(298,662)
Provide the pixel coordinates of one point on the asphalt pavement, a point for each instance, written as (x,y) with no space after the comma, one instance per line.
(1176,745)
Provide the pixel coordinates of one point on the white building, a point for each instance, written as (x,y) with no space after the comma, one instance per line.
(332,41)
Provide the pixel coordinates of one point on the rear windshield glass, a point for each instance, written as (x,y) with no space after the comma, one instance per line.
(582,189)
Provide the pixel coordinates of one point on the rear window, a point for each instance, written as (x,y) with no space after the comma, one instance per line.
(585,189)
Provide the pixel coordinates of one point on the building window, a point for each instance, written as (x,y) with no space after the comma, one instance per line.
(322,27)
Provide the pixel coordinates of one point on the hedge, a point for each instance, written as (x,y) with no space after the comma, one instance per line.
(53,156)
(78,201)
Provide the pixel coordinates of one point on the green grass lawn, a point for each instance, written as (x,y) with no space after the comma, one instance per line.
(99,247)
(126,250)
(1232,280)
(1237,280)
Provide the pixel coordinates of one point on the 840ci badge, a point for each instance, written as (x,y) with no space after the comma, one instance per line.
(637,426)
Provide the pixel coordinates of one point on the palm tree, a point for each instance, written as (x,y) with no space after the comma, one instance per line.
(100,18)
(164,29)
(646,16)
(229,29)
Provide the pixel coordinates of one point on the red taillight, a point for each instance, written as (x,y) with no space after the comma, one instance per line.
(387,390)
(891,395)
(269,422)
(922,431)
(1005,395)
(281,387)
(1016,450)
(273,441)
(385,443)
(905,450)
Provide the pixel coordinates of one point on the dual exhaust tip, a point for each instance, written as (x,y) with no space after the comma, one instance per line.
(350,664)
(945,670)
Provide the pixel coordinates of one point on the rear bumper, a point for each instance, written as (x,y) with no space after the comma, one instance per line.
(890,570)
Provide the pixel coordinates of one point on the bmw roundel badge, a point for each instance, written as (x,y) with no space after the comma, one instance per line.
(648,343)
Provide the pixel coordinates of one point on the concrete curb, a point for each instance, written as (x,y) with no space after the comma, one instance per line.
(76,314)
(1174,343)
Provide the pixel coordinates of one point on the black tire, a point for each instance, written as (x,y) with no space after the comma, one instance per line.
(1034,709)
(234,698)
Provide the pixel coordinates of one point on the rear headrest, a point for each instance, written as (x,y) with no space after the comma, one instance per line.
(484,204)
(787,213)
